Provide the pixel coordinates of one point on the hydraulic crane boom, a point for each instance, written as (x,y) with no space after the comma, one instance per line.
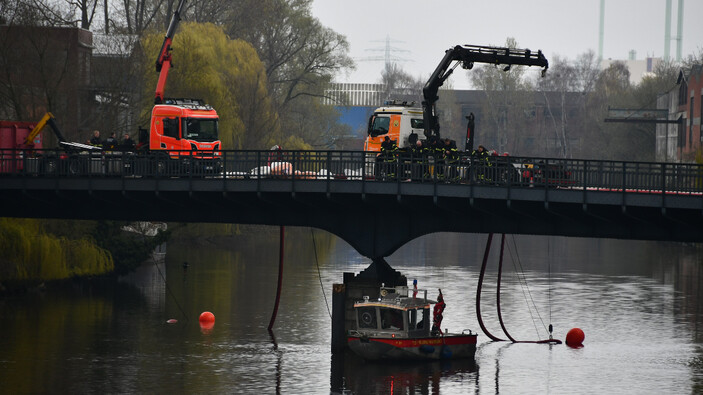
(163,62)
(467,55)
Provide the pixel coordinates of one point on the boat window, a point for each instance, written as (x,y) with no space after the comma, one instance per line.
(416,319)
(367,317)
(392,319)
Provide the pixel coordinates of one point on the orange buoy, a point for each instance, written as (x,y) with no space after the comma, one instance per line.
(207,316)
(575,337)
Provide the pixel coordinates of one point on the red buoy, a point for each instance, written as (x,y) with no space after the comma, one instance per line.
(575,337)
(172,321)
(207,317)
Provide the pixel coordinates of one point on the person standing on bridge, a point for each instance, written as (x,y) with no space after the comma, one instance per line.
(95,140)
(480,163)
(389,150)
(418,156)
(111,142)
(127,143)
(451,158)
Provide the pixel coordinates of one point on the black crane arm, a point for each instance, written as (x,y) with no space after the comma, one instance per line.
(467,55)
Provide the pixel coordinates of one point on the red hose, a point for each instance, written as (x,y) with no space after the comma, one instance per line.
(478,290)
(500,274)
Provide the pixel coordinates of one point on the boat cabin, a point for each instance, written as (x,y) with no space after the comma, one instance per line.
(394,314)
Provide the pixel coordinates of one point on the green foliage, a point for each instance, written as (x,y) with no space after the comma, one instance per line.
(128,249)
(227,74)
(28,253)
(301,57)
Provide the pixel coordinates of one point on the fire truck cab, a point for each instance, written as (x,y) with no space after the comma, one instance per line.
(400,121)
(184,125)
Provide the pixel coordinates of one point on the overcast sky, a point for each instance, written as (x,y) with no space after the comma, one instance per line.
(424,29)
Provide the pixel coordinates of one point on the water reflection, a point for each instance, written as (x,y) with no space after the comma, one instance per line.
(638,303)
(351,374)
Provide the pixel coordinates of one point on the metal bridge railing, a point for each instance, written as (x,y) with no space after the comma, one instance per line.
(505,171)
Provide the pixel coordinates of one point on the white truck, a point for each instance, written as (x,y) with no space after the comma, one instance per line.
(402,121)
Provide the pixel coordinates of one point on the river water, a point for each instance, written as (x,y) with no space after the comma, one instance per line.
(637,302)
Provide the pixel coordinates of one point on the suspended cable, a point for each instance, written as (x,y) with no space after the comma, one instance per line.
(500,317)
(549,285)
(319,275)
(153,258)
(523,285)
(526,287)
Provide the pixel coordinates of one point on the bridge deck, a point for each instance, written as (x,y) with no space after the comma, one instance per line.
(376,207)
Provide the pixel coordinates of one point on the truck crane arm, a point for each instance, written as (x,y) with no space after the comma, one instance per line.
(47,119)
(163,62)
(467,55)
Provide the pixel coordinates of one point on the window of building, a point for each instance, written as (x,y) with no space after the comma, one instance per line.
(683,93)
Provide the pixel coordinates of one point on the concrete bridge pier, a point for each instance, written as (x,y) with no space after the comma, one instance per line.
(354,288)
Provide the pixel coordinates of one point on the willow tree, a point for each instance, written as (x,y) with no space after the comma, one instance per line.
(226,74)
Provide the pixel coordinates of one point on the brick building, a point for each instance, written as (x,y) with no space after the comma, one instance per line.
(680,141)
(46,69)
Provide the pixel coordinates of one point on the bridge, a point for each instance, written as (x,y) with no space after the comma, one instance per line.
(375,205)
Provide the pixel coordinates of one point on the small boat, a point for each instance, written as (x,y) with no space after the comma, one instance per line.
(399,327)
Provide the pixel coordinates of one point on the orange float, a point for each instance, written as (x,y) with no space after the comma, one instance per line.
(575,337)
(207,317)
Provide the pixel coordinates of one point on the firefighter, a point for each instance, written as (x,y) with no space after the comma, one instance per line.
(418,158)
(451,158)
(111,142)
(437,314)
(95,140)
(480,161)
(480,151)
(389,151)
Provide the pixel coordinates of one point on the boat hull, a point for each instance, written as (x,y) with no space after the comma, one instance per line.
(451,346)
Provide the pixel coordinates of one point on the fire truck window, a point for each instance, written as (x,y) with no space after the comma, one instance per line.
(381,125)
(417,123)
(392,319)
(171,127)
(367,317)
(200,129)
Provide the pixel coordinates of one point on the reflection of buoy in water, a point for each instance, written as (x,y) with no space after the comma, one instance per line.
(575,337)
(172,321)
(207,316)
(206,327)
